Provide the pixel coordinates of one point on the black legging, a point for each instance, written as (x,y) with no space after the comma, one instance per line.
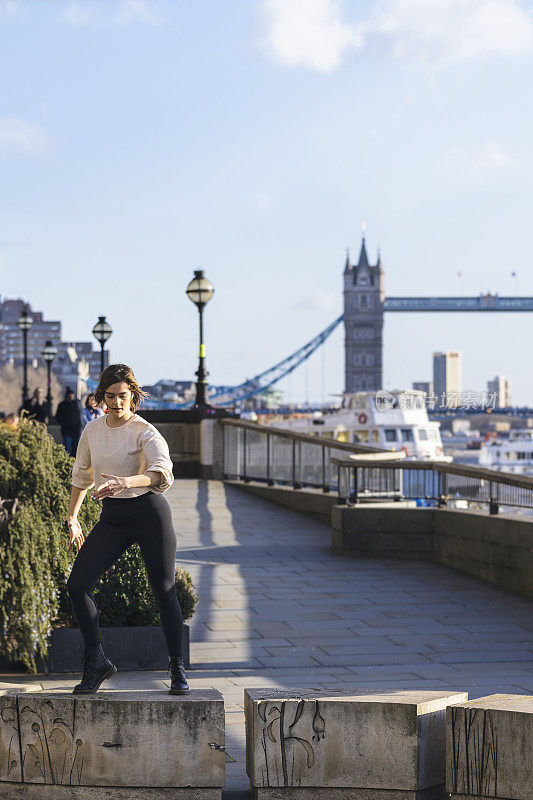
(146,519)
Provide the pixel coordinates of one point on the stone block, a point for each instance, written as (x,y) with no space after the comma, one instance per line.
(336,516)
(392,519)
(489,748)
(308,744)
(131,744)
(465,524)
(380,543)
(501,529)
(337,538)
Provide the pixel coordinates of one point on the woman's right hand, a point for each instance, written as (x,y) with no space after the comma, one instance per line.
(76,533)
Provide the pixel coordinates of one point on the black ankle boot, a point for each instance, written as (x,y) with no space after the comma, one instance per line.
(178,683)
(96,668)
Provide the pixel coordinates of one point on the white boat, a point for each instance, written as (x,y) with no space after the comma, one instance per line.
(513,454)
(396,421)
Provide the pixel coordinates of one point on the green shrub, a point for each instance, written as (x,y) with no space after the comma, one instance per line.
(33,556)
(35,563)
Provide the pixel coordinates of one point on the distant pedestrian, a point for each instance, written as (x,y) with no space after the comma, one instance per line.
(68,415)
(35,406)
(91,410)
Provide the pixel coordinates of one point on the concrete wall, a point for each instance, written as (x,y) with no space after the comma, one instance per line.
(55,433)
(391,531)
(498,549)
(308,501)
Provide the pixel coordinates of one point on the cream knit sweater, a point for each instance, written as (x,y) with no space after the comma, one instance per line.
(135,447)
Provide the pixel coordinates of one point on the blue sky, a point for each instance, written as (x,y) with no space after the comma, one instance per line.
(141,140)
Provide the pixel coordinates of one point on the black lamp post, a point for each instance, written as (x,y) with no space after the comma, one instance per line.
(25,322)
(102,331)
(200,291)
(49,352)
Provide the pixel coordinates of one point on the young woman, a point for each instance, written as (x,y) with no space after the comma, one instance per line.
(127,460)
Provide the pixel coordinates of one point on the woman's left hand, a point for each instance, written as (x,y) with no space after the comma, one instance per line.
(113,485)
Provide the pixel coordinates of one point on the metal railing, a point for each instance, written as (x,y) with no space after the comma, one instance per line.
(253,452)
(432,483)
(262,453)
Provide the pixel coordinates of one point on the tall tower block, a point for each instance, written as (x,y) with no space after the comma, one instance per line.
(364,293)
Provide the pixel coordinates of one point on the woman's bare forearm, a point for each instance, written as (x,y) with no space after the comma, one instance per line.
(76,499)
(150,478)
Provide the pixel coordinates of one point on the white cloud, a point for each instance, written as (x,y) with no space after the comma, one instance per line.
(76,14)
(22,137)
(263,201)
(136,11)
(87,13)
(489,157)
(440,32)
(492,157)
(17,241)
(10,9)
(318,301)
(308,33)
(313,33)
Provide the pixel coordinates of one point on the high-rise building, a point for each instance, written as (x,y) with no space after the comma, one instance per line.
(75,361)
(364,293)
(447,379)
(424,386)
(501,387)
(11,343)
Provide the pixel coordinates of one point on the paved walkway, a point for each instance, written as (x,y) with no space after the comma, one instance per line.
(278,609)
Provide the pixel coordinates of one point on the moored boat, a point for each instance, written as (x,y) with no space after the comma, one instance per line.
(396,421)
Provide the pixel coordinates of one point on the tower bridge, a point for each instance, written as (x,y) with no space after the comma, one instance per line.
(365,304)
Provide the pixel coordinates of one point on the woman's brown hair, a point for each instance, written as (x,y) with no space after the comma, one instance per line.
(118,373)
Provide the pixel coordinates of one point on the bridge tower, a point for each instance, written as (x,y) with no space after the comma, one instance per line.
(364,294)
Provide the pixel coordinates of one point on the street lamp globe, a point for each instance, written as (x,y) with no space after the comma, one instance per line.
(200,290)
(49,352)
(102,330)
(25,321)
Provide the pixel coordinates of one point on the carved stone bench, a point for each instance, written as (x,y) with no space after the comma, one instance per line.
(118,745)
(490,748)
(306,744)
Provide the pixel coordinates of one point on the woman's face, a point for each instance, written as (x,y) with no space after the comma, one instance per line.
(118,399)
